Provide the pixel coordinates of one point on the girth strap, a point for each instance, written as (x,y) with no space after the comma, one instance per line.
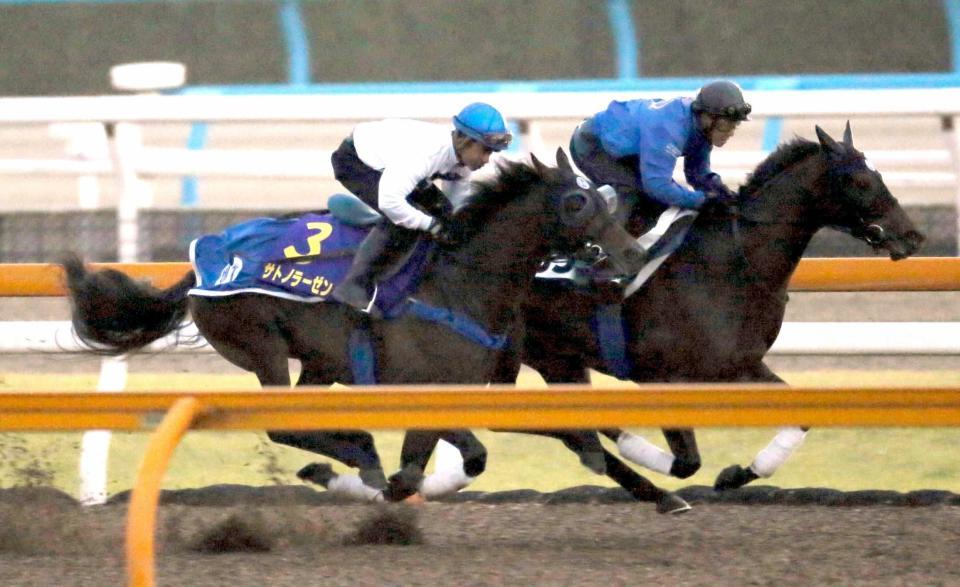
(459,323)
(607,324)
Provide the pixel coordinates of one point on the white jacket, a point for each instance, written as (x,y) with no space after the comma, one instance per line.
(408,152)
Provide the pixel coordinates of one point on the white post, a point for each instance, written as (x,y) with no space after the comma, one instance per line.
(126,145)
(95,444)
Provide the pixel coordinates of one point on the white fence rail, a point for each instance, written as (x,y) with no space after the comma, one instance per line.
(91,117)
(106,140)
(796,338)
(527,108)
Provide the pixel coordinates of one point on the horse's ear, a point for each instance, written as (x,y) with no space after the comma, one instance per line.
(563,162)
(848,136)
(826,142)
(540,167)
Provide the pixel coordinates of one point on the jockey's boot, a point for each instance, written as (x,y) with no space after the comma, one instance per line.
(375,259)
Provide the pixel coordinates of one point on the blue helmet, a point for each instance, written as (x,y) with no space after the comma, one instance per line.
(484,124)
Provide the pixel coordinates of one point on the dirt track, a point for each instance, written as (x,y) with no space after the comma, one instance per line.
(599,539)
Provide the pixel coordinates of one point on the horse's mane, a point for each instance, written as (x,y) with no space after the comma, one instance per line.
(786,155)
(513,179)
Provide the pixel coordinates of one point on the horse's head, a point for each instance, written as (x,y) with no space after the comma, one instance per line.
(860,201)
(582,217)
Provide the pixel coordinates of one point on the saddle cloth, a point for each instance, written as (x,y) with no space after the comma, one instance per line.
(299,259)
(659,242)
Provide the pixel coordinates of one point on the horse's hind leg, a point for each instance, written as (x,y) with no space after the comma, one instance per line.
(683,445)
(642,489)
(354,448)
(473,462)
(418,445)
(584,443)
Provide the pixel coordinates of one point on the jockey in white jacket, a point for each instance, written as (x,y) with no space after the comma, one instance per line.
(391,165)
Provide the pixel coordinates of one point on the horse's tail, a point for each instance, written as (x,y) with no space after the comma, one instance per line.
(113,314)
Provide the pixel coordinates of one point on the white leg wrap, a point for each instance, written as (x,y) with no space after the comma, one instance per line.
(637,449)
(351,486)
(778,451)
(441,483)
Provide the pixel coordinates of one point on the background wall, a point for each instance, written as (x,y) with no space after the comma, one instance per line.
(68,48)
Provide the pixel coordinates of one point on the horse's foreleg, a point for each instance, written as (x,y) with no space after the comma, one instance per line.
(507,365)
(768,460)
(415,452)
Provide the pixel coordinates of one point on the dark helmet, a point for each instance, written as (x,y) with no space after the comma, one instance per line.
(484,124)
(724,99)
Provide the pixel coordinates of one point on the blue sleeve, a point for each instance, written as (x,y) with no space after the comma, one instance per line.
(696,168)
(659,152)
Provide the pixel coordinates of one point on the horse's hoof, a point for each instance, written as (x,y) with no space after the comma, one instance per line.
(671,503)
(319,473)
(734,477)
(403,483)
(594,461)
(415,499)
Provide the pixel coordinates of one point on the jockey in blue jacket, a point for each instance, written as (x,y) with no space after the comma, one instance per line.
(392,165)
(633,146)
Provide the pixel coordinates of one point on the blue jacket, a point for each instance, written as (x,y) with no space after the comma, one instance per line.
(659,132)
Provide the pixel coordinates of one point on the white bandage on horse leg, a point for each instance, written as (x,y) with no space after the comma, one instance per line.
(351,486)
(444,482)
(778,451)
(637,449)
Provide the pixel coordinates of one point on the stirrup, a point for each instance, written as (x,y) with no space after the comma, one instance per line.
(364,305)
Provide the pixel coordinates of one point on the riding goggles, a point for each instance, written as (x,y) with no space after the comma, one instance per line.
(497,141)
(740,112)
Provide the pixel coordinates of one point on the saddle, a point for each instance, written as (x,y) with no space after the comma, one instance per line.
(300,258)
(660,241)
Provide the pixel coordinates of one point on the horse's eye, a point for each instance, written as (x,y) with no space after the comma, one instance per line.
(574,202)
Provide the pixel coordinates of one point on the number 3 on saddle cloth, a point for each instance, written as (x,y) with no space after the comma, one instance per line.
(299,259)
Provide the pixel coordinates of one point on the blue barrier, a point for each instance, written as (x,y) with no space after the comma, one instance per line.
(951,9)
(667,84)
(625,39)
(296,41)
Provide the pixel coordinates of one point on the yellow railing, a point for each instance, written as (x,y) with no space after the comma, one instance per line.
(834,274)
(450,406)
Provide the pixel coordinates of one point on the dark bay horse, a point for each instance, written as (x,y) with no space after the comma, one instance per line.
(501,234)
(713,309)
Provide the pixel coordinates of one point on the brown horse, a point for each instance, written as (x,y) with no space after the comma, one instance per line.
(476,285)
(712,310)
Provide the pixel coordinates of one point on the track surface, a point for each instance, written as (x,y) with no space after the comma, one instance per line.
(581,536)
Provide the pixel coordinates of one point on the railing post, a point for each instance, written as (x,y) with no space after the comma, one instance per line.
(142,511)
(126,143)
